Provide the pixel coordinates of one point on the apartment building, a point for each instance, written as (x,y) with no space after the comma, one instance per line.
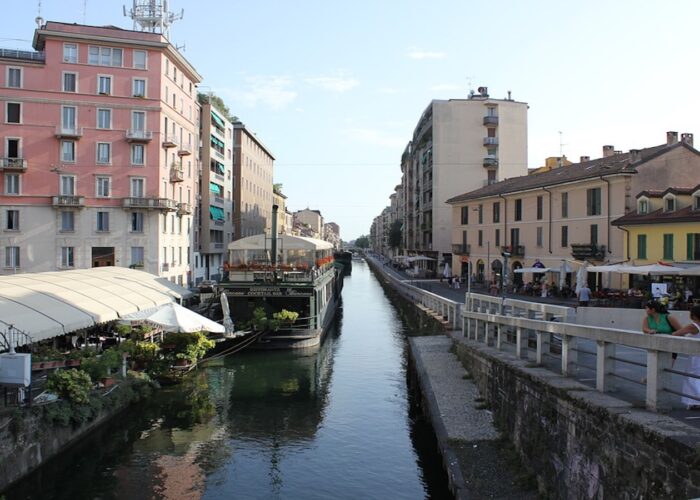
(216,208)
(331,233)
(311,220)
(459,145)
(253,166)
(284,218)
(98,136)
(565,213)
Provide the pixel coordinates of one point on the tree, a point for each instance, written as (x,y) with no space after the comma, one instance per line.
(396,234)
(277,187)
(218,103)
(362,242)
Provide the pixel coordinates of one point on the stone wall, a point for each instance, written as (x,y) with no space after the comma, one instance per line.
(581,443)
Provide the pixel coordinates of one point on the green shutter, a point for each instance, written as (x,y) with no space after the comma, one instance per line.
(668,247)
(690,246)
(641,246)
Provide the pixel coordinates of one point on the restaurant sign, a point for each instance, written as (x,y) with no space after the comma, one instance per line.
(269,291)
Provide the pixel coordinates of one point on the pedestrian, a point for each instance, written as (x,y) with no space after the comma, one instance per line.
(584,295)
(691,386)
(455,282)
(658,321)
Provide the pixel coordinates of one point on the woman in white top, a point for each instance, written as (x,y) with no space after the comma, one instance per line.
(691,386)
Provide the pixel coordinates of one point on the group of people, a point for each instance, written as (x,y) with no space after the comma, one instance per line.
(658,321)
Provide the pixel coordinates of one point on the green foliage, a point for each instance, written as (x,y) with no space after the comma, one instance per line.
(261,322)
(82,354)
(122,329)
(102,366)
(46,353)
(189,346)
(362,242)
(73,385)
(396,234)
(142,352)
(286,317)
(218,103)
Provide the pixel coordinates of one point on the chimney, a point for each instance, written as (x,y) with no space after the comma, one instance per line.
(671,138)
(509,98)
(584,159)
(608,151)
(483,91)
(687,138)
(635,155)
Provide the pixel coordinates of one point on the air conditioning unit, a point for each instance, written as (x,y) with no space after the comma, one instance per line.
(16,369)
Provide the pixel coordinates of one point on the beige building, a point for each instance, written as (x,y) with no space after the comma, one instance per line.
(564,213)
(459,145)
(283,216)
(253,167)
(311,219)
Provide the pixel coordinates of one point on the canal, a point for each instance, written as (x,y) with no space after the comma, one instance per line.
(336,423)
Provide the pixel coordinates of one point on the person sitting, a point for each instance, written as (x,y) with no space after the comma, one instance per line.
(658,321)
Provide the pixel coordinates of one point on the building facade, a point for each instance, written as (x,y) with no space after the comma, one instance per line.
(99,135)
(312,220)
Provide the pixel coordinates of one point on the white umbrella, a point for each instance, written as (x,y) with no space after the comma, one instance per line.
(228,322)
(688,271)
(563,270)
(581,276)
(173,317)
(658,269)
(447,272)
(610,268)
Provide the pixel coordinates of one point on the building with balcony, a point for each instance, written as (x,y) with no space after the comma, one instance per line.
(216,208)
(284,217)
(86,167)
(577,211)
(312,220)
(253,171)
(459,145)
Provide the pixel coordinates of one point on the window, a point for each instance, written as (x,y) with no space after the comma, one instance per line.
(104,84)
(641,246)
(137,187)
(564,205)
(67,186)
(68,117)
(102,189)
(70,82)
(137,222)
(565,236)
(137,256)
(67,221)
(481,214)
(12,148)
(593,203)
(67,257)
(12,185)
(102,221)
(514,238)
(540,236)
(540,204)
(105,56)
(104,118)
(104,152)
(12,257)
(498,237)
(12,220)
(518,209)
(14,78)
(70,53)
(140,57)
(693,243)
(138,121)
(13,112)
(696,203)
(68,151)
(643,206)
(137,154)
(594,234)
(496,211)
(480,238)
(670,204)
(138,87)
(668,247)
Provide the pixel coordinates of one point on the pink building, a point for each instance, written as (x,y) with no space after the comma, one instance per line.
(98,152)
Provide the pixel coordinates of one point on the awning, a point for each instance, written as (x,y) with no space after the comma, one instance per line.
(217,143)
(537,270)
(215,188)
(216,213)
(219,167)
(173,317)
(218,120)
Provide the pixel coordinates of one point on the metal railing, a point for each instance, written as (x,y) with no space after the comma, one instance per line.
(18,164)
(139,135)
(23,54)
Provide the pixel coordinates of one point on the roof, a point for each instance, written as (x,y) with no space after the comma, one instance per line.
(46,305)
(285,242)
(686,214)
(651,193)
(611,165)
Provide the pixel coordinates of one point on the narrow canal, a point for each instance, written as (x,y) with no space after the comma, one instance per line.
(338,423)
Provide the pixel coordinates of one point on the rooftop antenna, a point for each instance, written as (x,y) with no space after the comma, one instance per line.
(561,148)
(153,16)
(38,19)
(84,11)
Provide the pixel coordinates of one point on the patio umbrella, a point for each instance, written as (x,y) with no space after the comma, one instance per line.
(581,276)
(228,322)
(447,272)
(688,271)
(173,317)
(565,268)
(651,269)
(610,268)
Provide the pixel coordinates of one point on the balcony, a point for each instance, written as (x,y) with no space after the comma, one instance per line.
(135,202)
(514,250)
(176,174)
(185,149)
(68,201)
(165,267)
(13,164)
(69,132)
(164,204)
(184,209)
(139,135)
(490,141)
(581,251)
(490,120)
(169,141)
(490,162)
(461,249)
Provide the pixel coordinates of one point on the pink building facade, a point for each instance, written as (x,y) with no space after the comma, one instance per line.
(99,148)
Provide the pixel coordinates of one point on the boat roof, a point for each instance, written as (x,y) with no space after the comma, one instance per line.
(285,242)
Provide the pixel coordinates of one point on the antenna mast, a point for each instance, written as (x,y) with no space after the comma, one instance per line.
(153,16)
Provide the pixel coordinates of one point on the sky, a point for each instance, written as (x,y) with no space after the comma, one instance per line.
(334,89)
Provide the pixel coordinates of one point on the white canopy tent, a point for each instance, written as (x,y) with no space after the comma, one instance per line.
(650,269)
(687,271)
(284,242)
(172,317)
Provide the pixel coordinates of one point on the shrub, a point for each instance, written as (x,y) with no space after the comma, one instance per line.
(190,346)
(102,366)
(286,317)
(73,385)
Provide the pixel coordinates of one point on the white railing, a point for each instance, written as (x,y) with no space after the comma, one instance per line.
(491,321)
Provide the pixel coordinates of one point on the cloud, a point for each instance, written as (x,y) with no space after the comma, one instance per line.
(389,90)
(444,87)
(275,92)
(376,137)
(425,54)
(339,83)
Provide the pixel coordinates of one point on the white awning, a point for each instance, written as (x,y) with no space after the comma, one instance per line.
(284,242)
(539,270)
(45,305)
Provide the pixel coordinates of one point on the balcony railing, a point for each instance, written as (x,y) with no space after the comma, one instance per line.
(490,162)
(169,141)
(15,164)
(185,149)
(23,54)
(150,203)
(580,251)
(164,204)
(63,201)
(184,209)
(461,249)
(514,250)
(490,141)
(69,132)
(139,135)
(136,202)
(490,120)
(176,174)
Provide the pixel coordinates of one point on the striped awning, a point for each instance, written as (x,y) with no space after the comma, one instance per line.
(216,213)
(216,119)
(217,143)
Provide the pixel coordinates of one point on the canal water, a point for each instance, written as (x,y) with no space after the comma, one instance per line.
(333,424)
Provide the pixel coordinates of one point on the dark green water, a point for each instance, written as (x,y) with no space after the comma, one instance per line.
(333,424)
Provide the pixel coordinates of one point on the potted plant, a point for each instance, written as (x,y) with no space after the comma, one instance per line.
(100,368)
(188,347)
